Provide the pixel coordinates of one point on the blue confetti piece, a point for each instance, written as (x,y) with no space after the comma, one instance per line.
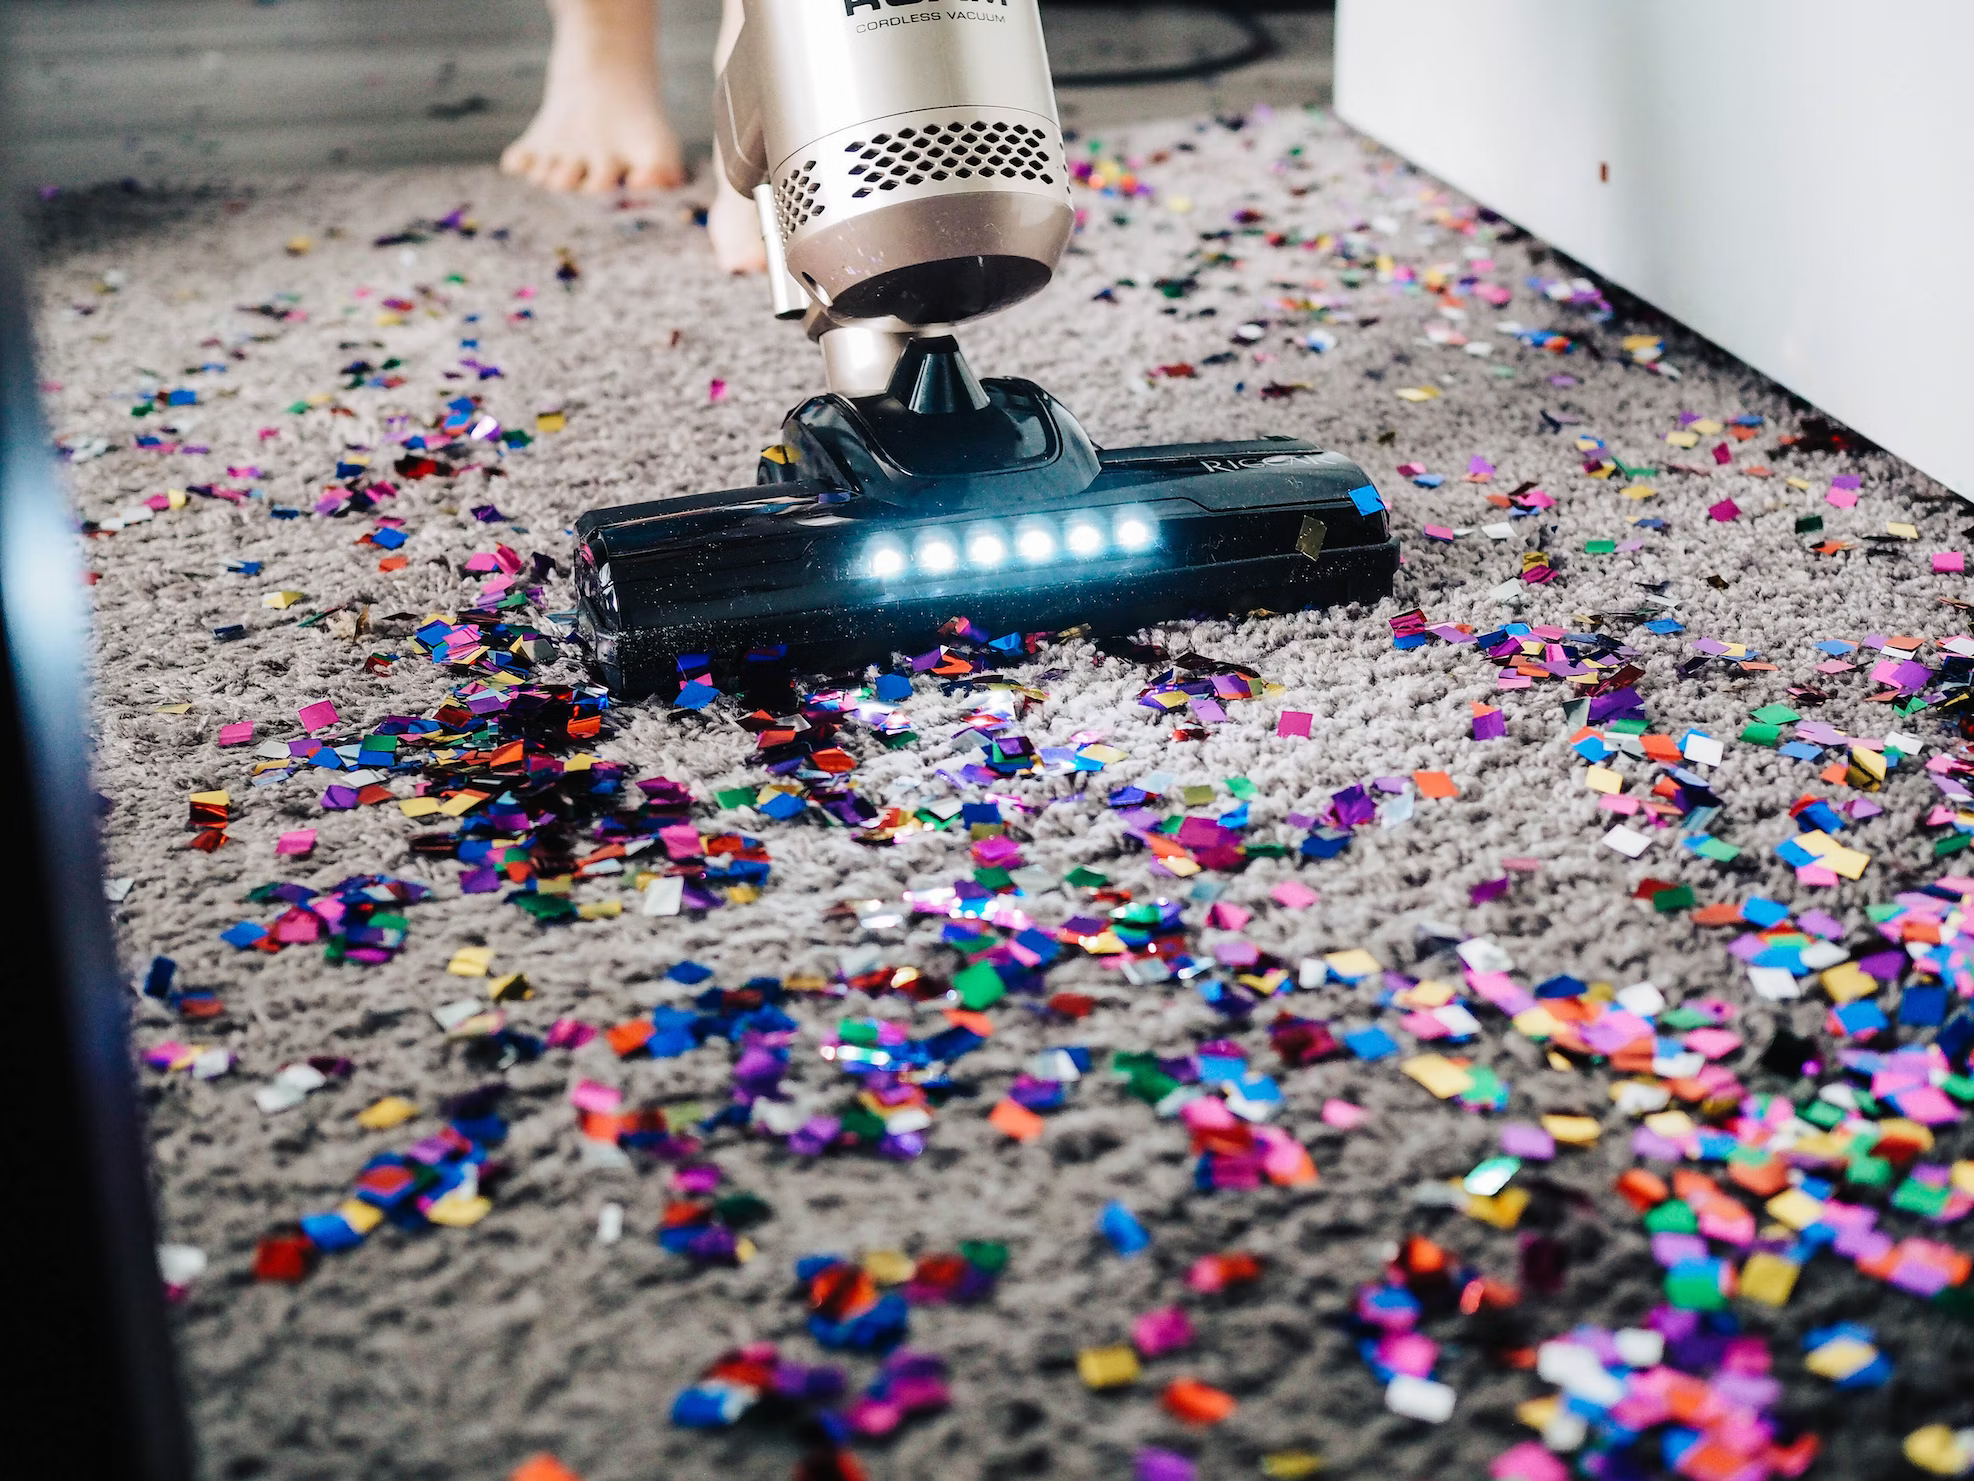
(1121,1227)
(690,973)
(783,806)
(1366,499)
(1371,1043)
(243,935)
(893,688)
(696,696)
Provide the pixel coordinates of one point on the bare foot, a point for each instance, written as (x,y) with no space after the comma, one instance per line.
(602,125)
(734,226)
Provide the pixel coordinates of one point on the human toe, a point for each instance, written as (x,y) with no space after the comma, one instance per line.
(602,173)
(564,174)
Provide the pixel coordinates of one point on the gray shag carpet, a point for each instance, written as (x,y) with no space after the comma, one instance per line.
(460,1352)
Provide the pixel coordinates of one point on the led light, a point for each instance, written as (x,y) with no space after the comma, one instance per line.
(986,548)
(937,555)
(1134,532)
(1035,543)
(886,561)
(1084,539)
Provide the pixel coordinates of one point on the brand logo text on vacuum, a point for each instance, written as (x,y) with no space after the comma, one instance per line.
(851,7)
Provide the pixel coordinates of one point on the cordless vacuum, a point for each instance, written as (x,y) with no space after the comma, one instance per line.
(910,174)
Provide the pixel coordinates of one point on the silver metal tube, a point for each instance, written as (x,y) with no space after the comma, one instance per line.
(789,300)
(859,361)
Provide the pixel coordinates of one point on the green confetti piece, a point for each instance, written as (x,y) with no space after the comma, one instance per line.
(1242,788)
(1808,524)
(1716,849)
(1953,843)
(1758,734)
(736,796)
(989,1255)
(1920,1198)
(1086,879)
(979,986)
(1869,1172)
(1599,547)
(1776,714)
(1679,897)
(1694,1288)
(1627,727)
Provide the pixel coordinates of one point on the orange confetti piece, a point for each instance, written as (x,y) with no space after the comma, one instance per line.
(1196,1402)
(1435,784)
(1015,1120)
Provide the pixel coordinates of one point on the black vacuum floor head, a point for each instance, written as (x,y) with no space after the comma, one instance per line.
(878,518)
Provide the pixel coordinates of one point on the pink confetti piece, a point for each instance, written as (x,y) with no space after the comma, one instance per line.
(318,714)
(1344,1116)
(1293,894)
(298,843)
(1948,560)
(236,734)
(1293,723)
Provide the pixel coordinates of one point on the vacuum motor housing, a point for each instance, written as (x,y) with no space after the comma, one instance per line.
(913,148)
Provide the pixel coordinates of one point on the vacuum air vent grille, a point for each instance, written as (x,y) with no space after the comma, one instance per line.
(957,149)
(795,198)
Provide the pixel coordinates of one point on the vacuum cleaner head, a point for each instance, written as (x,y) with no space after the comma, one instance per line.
(877,518)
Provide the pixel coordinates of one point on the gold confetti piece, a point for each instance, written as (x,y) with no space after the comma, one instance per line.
(1936,1449)
(281,600)
(890,1267)
(1537,1023)
(1840,1358)
(1795,1208)
(173,709)
(512,988)
(457,1212)
(1418,393)
(211,799)
(471,961)
(1438,1074)
(1768,1278)
(1575,1131)
(360,1216)
(1504,1210)
(549,422)
(1290,1465)
(1107,1367)
(1902,530)
(392,1110)
(601,910)
(1356,962)
(1846,982)
(1603,779)
(1672,1125)
(418,807)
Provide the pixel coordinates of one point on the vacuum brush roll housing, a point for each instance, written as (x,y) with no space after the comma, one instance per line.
(913,151)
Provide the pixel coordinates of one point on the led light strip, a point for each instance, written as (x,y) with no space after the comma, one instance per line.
(988,546)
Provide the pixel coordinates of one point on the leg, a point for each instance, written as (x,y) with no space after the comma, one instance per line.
(602,121)
(731,221)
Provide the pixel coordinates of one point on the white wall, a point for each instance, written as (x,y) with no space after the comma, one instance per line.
(1794,179)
